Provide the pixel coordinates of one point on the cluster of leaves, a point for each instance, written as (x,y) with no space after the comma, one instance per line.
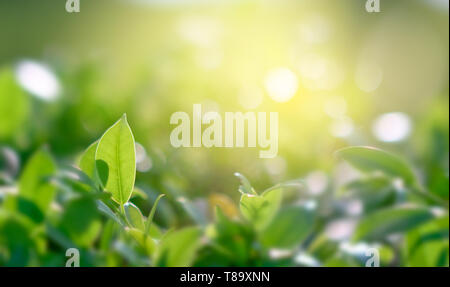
(52,209)
(405,223)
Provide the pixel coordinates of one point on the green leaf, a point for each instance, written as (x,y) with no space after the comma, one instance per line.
(16,203)
(424,244)
(134,216)
(260,209)
(14,105)
(152,214)
(146,242)
(382,223)
(87,160)
(81,221)
(289,227)
(375,192)
(370,159)
(178,248)
(116,149)
(16,238)
(106,210)
(34,183)
(232,239)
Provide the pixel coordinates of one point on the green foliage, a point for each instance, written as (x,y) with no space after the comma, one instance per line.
(56,208)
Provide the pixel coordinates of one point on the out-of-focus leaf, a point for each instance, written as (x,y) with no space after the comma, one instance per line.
(424,244)
(58,237)
(134,216)
(145,241)
(260,209)
(289,227)
(375,192)
(178,248)
(194,213)
(14,105)
(34,183)
(322,247)
(224,202)
(382,223)
(116,149)
(370,159)
(87,160)
(439,183)
(232,239)
(16,203)
(107,235)
(245,187)
(80,221)
(105,209)
(16,236)
(137,192)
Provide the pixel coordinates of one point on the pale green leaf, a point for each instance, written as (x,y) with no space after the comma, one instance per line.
(148,224)
(134,216)
(178,248)
(289,227)
(116,150)
(260,209)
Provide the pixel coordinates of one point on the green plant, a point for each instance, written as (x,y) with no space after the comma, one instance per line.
(53,208)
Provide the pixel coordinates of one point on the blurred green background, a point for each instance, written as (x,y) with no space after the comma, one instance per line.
(338,76)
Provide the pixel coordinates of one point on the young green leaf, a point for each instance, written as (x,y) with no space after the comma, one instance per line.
(382,223)
(245,187)
(134,216)
(116,150)
(260,209)
(151,214)
(178,248)
(370,159)
(34,184)
(289,227)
